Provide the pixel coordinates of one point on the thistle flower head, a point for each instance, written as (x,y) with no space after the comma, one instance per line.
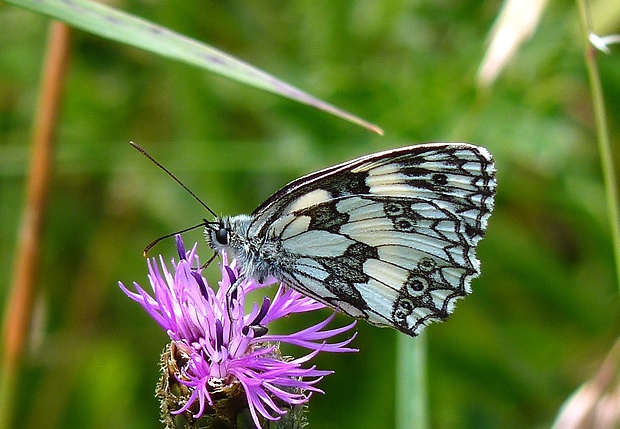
(218,349)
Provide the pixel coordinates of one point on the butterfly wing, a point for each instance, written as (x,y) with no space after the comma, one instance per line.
(389,237)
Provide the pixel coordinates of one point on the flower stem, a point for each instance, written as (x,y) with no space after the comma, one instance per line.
(19,303)
(598,104)
(411,393)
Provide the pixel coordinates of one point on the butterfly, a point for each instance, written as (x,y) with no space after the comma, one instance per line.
(389,237)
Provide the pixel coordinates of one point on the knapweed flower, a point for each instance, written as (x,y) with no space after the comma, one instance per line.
(221,352)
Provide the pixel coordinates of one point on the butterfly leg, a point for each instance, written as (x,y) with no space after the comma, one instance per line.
(235,312)
(232,292)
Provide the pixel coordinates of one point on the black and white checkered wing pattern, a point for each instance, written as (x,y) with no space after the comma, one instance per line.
(389,238)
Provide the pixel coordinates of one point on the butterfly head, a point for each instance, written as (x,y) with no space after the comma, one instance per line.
(227,234)
(217,234)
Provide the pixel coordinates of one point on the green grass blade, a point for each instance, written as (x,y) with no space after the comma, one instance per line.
(602,134)
(116,25)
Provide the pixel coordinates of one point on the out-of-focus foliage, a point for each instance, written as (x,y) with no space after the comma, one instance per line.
(543,313)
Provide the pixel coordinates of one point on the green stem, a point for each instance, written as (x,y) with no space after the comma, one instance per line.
(598,104)
(411,392)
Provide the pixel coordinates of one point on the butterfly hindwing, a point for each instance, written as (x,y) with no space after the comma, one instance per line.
(394,268)
(388,237)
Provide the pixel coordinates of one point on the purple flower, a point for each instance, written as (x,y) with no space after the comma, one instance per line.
(219,347)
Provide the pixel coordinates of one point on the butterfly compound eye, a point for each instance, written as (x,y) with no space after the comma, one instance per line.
(221,235)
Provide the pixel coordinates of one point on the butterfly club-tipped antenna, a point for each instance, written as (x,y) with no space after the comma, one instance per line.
(172,234)
(169,173)
(204,223)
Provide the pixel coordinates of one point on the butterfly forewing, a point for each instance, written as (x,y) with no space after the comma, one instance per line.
(388,237)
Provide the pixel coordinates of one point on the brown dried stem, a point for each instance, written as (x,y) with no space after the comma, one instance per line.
(19,303)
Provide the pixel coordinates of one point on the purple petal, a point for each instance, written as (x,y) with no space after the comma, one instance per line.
(224,344)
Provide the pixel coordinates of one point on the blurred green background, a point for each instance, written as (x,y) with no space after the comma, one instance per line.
(544,312)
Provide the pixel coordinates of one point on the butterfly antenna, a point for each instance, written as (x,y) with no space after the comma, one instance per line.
(172,234)
(157,163)
(206,264)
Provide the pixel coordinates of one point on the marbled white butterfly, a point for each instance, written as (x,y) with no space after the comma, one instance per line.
(389,237)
